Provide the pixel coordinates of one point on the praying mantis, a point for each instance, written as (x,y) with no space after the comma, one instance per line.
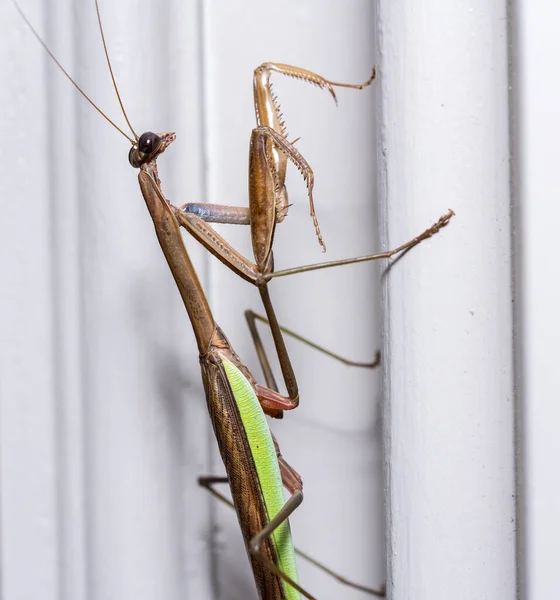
(151,192)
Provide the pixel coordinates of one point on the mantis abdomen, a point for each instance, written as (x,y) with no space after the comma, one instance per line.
(249,456)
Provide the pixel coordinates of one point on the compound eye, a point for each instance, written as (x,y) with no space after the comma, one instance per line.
(146,148)
(148,143)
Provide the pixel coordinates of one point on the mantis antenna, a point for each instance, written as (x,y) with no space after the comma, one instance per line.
(111,70)
(47,49)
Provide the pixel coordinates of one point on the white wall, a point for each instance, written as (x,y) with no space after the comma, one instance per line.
(103,427)
(103,424)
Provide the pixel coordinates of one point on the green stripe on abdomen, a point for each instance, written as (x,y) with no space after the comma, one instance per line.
(268,471)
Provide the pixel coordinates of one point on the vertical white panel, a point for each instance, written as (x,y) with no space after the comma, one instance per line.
(28,424)
(539,97)
(448,333)
(104,425)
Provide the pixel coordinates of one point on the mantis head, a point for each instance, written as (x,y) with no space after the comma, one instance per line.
(148,147)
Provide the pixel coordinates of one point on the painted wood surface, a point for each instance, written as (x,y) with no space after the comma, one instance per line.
(448,327)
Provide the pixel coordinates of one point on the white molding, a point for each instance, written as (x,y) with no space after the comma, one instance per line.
(448,327)
(538,96)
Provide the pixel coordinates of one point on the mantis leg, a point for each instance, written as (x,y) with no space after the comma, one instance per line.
(291,479)
(264,394)
(255,545)
(269,117)
(267,107)
(294,501)
(262,83)
(219,213)
(270,123)
(267,200)
(402,249)
(252,318)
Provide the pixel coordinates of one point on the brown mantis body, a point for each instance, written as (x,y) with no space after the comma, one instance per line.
(214,348)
